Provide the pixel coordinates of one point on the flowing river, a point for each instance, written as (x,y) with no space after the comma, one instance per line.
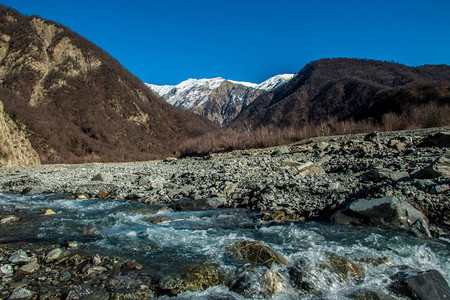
(185,238)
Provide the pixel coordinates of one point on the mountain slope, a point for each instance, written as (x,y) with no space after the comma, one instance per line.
(77,102)
(343,89)
(218,99)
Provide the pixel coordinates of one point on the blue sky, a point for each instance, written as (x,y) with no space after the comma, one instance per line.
(168,41)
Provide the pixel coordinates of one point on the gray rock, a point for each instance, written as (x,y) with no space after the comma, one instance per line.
(199,204)
(53,255)
(380,174)
(441,167)
(371,137)
(6,269)
(19,257)
(9,219)
(387,212)
(440,139)
(30,268)
(21,293)
(257,252)
(422,286)
(104,177)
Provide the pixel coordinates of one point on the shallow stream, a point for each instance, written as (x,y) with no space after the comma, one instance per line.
(186,238)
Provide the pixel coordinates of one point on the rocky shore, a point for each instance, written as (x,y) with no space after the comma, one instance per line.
(398,180)
(310,179)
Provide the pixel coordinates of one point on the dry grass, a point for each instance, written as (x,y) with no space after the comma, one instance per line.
(424,116)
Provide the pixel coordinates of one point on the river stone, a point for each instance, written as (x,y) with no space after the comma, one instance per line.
(29,268)
(257,252)
(199,204)
(77,291)
(197,278)
(159,219)
(99,295)
(379,174)
(275,282)
(369,295)
(388,212)
(371,137)
(440,139)
(6,269)
(53,255)
(310,168)
(21,294)
(9,219)
(104,177)
(441,167)
(344,267)
(19,257)
(423,285)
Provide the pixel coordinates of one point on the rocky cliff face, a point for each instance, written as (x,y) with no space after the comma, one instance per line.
(218,99)
(15,148)
(78,102)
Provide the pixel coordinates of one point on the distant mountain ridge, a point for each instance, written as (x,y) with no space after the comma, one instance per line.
(75,103)
(218,99)
(346,88)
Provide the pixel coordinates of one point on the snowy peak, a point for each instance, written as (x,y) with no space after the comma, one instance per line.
(275,81)
(218,99)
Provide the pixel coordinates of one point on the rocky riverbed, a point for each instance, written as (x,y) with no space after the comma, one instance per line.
(397,180)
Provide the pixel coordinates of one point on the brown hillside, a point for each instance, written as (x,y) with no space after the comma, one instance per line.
(77,102)
(342,89)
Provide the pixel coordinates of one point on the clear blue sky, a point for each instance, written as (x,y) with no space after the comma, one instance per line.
(168,41)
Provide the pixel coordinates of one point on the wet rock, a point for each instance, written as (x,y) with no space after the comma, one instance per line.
(9,220)
(100,295)
(95,270)
(49,212)
(199,204)
(440,139)
(53,255)
(197,278)
(30,268)
(21,294)
(378,261)
(422,286)
(6,269)
(344,267)
(365,294)
(103,193)
(275,282)
(441,167)
(65,276)
(257,252)
(159,219)
(387,212)
(78,291)
(19,257)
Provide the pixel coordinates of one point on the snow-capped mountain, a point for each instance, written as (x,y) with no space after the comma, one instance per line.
(218,99)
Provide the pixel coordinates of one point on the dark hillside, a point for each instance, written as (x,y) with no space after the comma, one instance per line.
(77,102)
(347,89)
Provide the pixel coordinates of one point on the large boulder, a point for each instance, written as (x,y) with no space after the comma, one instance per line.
(422,286)
(440,167)
(385,212)
(199,204)
(197,278)
(257,252)
(440,139)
